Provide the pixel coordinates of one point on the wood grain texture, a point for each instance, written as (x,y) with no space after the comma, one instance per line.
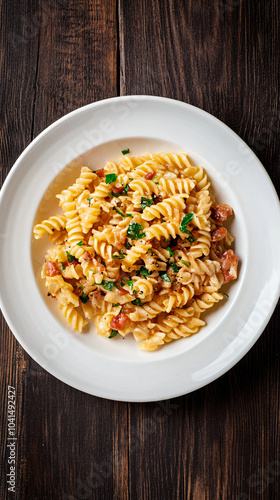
(221,442)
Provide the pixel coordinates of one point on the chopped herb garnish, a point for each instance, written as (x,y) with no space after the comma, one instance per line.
(125,151)
(89,201)
(185,221)
(129,215)
(186,263)
(175,268)
(144,271)
(137,302)
(134,231)
(122,283)
(154,177)
(157,183)
(150,251)
(103,263)
(63,267)
(127,245)
(116,195)
(108,285)
(80,243)
(120,256)
(116,305)
(191,239)
(146,202)
(84,297)
(71,257)
(165,277)
(171,253)
(110,178)
(113,334)
(119,212)
(125,189)
(223,293)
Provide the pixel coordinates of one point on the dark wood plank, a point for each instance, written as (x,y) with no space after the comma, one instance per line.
(57,56)
(222,441)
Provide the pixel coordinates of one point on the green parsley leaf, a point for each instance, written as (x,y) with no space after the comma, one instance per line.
(129,215)
(134,231)
(110,178)
(119,212)
(71,257)
(154,177)
(191,239)
(188,264)
(80,243)
(116,195)
(103,263)
(108,285)
(157,183)
(116,305)
(130,283)
(120,256)
(89,201)
(171,253)
(175,268)
(185,221)
(165,277)
(122,283)
(127,245)
(84,297)
(144,271)
(63,267)
(137,302)
(150,251)
(223,293)
(113,334)
(125,151)
(146,202)
(125,189)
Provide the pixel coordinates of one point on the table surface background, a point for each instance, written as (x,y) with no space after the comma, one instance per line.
(221,442)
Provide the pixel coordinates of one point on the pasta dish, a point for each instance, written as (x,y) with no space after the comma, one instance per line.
(140,248)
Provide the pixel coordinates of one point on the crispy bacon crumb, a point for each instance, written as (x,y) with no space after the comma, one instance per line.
(119,321)
(150,175)
(100,172)
(229,263)
(52,269)
(220,213)
(218,234)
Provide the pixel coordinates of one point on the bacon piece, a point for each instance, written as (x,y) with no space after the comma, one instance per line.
(51,269)
(150,175)
(220,213)
(87,256)
(100,268)
(123,291)
(119,321)
(229,263)
(117,190)
(218,234)
(100,172)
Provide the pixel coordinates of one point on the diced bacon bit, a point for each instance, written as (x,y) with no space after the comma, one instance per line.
(150,175)
(94,294)
(180,290)
(220,213)
(119,321)
(218,234)
(100,172)
(123,291)
(52,269)
(117,190)
(157,199)
(74,263)
(100,268)
(87,256)
(229,263)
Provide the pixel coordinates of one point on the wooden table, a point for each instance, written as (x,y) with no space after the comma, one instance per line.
(221,442)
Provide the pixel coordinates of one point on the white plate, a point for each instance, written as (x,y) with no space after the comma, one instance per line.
(117,369)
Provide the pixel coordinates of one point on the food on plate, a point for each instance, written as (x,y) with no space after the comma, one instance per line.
(139,247)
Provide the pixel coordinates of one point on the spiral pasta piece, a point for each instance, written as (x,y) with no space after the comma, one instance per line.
(57,222)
